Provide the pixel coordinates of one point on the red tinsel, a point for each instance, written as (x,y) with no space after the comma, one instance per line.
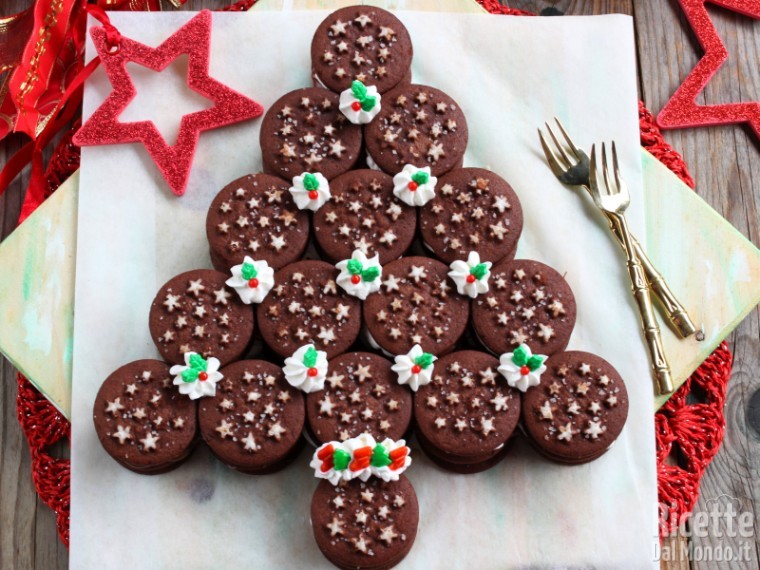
(688,434)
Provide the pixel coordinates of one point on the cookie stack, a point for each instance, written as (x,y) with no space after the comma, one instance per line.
(365,289)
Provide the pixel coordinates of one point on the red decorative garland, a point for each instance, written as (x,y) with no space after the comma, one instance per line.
(694,429)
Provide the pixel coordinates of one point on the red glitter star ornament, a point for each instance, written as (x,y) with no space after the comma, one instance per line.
(682,111)
(174,161)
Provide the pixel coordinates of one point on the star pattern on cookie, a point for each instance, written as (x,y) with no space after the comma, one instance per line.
(307,307)
(360,395)
(418,127)
(134,417)
(362,519)
(360,216)
(526,306)
(576,402)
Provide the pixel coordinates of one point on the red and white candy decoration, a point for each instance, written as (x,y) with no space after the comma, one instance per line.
(361,457)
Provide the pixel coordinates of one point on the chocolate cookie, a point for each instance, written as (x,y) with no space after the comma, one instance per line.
(306,306)
(364,43)
(466,415)
(417,125)
(578,410)
(415,305)
(365,525)
(361,395)
(141,419)
(196,312)
(473,210)
(364,214)
(255,215)
(304,131)
(528,302)
(254,422)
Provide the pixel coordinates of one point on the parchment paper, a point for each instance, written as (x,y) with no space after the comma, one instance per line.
(509,75)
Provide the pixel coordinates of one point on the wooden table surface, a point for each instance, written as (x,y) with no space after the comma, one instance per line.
(725,163)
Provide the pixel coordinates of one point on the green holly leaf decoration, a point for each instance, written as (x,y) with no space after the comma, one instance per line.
(359,90)
(424,360)
(370,274)
(535,362)
(479,271)
(310,358)
(310,181)
(190,375)
(198,363)
(354,266)
(421,177)
(248,271)
(520,355)
(341,459)
(380,457)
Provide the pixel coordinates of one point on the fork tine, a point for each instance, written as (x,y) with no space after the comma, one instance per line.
(570,142)
(606,172)
(559,146)
(593,177)
(615,167)
(554,161)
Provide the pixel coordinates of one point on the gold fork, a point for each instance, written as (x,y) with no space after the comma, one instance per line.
(615,201)
(570,164)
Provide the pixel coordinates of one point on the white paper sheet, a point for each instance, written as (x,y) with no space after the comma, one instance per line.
(509,76)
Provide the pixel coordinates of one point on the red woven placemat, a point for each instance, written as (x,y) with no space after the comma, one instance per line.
(689,430)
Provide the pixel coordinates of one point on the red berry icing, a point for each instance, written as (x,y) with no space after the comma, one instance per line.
(355,279)
(313,194)
(312,372)
(416,369)
(202,376)
(356,106)
(470,278)
(253,283)
(524,370)
(412,186)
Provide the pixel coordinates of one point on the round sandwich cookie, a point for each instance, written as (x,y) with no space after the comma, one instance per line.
(308,307)
(366,525)
(361,395)
(527,302)
(364,214)
(197,312)
(468,413)
(417,125)
(578,410)
(142,420)
(255,216)
(415,305)
(254,422)
(473,210)
(361,42)
(305,131)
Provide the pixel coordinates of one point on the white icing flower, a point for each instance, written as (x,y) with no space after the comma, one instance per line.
(198,377)
(414,368)
(361,457)
(360,276)
(414,186)
(310,191)
(251,280)
(471,276)
(521,368)
(359,103)
(306,369)
(398,453)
